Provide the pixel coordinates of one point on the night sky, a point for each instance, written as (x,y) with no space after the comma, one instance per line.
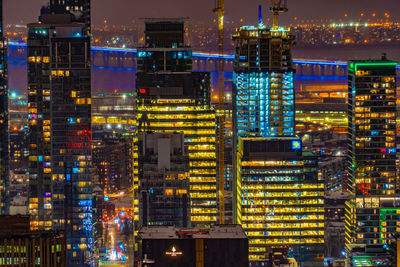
(125,11)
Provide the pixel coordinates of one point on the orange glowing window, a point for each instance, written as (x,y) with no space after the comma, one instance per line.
(169,192)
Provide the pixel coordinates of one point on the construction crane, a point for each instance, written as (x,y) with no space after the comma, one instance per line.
(276,8)
(219,10)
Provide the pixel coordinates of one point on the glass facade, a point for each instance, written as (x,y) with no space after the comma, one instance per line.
(372,213)
(4,135)
(264,104)
(59,115)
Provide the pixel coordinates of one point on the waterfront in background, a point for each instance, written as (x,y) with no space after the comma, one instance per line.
(120,76)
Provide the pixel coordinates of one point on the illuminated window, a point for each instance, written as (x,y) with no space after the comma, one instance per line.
(169,192)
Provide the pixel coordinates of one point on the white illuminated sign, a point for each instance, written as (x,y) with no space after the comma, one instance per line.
(173,252)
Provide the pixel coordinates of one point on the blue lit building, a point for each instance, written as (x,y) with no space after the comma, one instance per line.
(4,154)
(263,94)
(59,119)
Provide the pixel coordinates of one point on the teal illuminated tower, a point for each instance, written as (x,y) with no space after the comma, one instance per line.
(278,198)
(263,93)
(4,154)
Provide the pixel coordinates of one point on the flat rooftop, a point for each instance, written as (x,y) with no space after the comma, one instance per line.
(373,61)
(171,232)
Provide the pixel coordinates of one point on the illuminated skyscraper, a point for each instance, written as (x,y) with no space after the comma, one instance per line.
(281,201)
(278,198)
(59,102)
(373,212)
(4,154)
(173,98)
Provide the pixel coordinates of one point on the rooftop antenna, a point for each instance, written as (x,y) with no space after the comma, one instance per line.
(260,20)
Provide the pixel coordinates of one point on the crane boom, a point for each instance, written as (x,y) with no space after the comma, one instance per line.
(219,10)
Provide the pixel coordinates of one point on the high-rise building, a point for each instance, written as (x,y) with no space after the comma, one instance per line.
(281,199)
(263,97)
(59,114)
(113,162)
(4,154)
(373,211)
(278,197)
(173,98)
(164,180)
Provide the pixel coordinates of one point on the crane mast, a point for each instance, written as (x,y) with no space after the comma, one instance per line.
(276,8)
(219,10)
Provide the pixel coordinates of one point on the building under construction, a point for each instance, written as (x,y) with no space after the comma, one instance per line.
(279,200)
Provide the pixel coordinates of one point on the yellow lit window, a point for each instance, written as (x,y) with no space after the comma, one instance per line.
(181,191)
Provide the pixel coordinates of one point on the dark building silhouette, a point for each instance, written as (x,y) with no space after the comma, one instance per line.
(19,246)
(79,9)
(4,135)
(173,246)
(164,180)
